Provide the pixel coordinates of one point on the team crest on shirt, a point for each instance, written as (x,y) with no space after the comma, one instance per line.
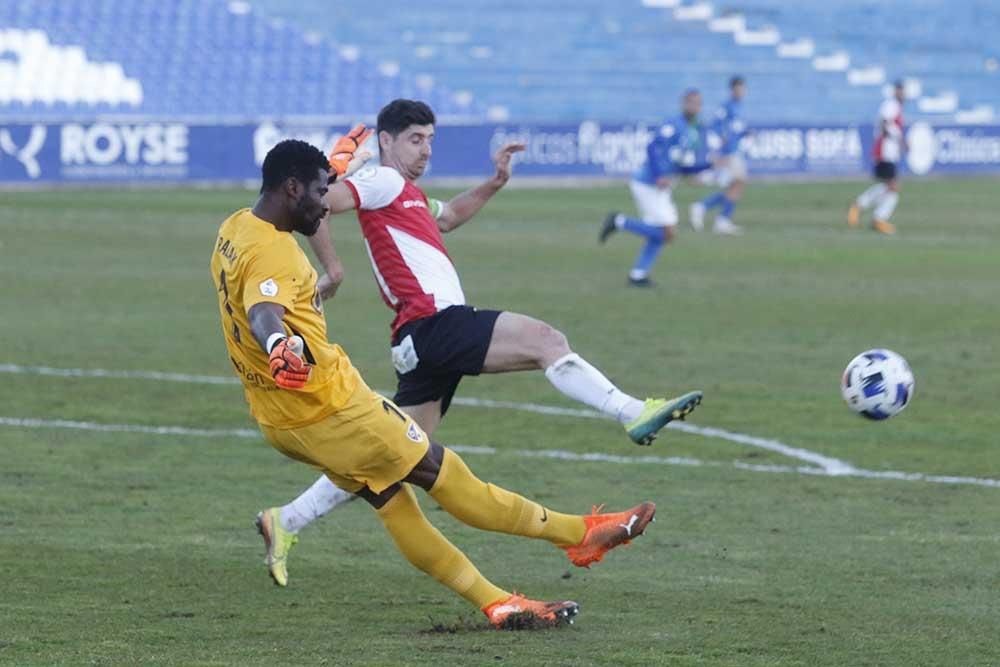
(414,433)
(269,287)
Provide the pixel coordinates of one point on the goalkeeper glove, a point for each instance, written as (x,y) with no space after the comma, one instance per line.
(345,148)
(287,367)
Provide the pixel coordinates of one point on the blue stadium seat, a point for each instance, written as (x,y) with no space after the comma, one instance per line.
(561,60)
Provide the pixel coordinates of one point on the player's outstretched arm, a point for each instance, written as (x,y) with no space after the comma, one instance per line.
(338,199)
(289,369)
(345,159)
(347,156)
(462,208)
(326,253)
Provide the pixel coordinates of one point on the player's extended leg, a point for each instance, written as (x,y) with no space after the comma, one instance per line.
(279,526)
(657,237)
(585,539)
(724,221)
(369,447)
(520,342)
(865,200)
(698,209)
(428,550)
(659,216)
(885,207)
(316,501)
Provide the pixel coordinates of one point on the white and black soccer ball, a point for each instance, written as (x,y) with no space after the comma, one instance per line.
(877,384)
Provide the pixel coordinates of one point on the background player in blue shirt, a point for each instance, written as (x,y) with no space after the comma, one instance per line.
(680,148)
(732,175)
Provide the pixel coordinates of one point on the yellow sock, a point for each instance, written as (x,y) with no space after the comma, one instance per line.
(428,550)
(489,507)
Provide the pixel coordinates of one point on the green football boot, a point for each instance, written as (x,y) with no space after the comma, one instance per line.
(278,542)
(657,413)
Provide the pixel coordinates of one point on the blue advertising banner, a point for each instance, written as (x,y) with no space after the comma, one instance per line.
(78,152)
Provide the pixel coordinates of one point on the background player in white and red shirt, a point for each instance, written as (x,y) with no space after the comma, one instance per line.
(436,337)
(890,144)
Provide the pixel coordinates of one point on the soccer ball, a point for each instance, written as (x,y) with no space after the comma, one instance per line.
(877,384)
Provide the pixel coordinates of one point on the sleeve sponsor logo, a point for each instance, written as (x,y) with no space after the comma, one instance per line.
(269,287)
(414,433)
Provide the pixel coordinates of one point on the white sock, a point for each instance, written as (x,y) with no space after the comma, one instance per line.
(886,205)
(314,502)
(620,221)
(576,378)
(867,198)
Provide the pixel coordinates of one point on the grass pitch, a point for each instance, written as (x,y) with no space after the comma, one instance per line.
(130,548)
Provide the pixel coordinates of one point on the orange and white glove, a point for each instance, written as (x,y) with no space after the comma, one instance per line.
(344,150)
(288,368)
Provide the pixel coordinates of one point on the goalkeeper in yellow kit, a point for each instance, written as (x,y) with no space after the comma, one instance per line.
(313,406)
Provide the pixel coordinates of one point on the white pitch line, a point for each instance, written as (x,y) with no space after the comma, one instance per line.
(28,422)
(17,369)
(537,408)
(558,454)
(829,465)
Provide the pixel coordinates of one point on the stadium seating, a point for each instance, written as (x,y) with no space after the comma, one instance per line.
(561,60)
(572,59)
(190,58)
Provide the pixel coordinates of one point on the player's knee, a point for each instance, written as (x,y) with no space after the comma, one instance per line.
(551,343)
(667,234)
(425,473)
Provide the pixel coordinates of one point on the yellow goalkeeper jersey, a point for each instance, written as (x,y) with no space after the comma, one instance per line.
(252,263)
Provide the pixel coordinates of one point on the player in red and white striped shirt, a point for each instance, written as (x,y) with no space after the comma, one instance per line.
(890,144)
(436,337)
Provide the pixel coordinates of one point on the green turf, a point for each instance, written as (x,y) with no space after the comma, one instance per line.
(121,548)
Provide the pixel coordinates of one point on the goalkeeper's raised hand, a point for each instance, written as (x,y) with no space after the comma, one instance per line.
(288,368)
(344,157)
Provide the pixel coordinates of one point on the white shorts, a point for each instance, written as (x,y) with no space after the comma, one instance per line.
(656,206)
(735,170)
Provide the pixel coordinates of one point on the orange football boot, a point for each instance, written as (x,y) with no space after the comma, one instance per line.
(516,612)
(884,227)
(853,215)
(607,531)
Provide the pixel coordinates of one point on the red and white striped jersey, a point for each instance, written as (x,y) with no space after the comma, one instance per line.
(411,265)
(889,132)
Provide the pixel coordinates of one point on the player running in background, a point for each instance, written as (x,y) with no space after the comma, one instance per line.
(890,144)
(436,338)
(732,172)
(680,148)
(313,406)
